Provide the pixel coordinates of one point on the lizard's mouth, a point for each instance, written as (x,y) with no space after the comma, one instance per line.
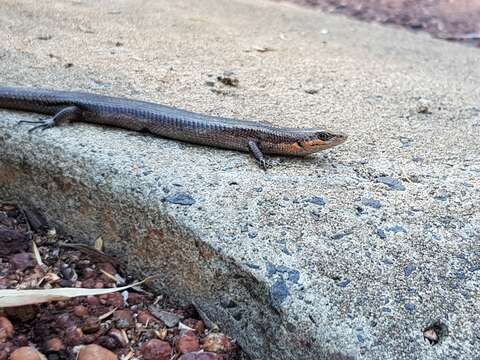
(311,146)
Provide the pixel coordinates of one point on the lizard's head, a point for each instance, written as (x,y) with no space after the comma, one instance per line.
(317,140)
(301,142)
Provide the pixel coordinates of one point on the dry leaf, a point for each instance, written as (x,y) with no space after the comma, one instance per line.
(12,297)
(99,244)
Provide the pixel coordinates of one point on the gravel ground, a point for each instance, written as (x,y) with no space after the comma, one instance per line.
(124,325)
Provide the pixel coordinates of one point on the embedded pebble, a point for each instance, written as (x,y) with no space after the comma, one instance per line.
(410,307)
(408,270)
(278,292)
(180,199)
(317,200)
(396,229)
(393,184)
(376,204)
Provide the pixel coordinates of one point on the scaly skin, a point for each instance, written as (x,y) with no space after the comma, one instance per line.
(248,136)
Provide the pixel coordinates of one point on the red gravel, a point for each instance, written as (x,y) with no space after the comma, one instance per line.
(131,323)
(447,19)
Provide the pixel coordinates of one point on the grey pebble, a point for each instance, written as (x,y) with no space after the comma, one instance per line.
(396,229)
(278,292)
(344,283)
(408,270)
(380,233)
(317,200)
(271,269)
(180,199)
(376,204)
(409,306)
(168,318)
(393,184)
(293,276)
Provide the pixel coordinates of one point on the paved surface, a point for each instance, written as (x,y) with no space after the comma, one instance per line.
(351,253)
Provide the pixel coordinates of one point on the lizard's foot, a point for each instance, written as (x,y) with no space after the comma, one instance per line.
(265,164)
(41,124)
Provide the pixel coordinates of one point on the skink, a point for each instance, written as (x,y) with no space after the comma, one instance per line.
(249,136)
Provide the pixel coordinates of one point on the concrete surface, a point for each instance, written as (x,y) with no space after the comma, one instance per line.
(349,254)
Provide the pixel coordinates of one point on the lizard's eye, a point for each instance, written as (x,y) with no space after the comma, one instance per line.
(324,136)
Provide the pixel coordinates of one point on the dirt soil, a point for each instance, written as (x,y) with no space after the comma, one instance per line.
(446,19)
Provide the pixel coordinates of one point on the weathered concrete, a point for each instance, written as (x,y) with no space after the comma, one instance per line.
(350,253)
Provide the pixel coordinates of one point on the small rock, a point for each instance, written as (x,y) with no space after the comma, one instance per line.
(54,345)
(393,184)
(344,283)
(293,276)
(271,269)
(195,324)
(217,343)
(228,79)
(123,318)
(311,91)
(93,301)
(376,204)
(252,265)
(80,311)
(73,336)
(96,352)
(6,328)
(435,332)
(156,350)
(410,307)
(64,321)
(431,335)
(145,317)
(168,318)
(201,356)
(422,108)
(26,353)
(113,299)
(107,267)
(90,325)
(187,343)
(396,229)
(119,336)
(180,199)
(108,342)
(278,292)
(22,260)
(135,298)
(408,270)
(317,200)
(381,233)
